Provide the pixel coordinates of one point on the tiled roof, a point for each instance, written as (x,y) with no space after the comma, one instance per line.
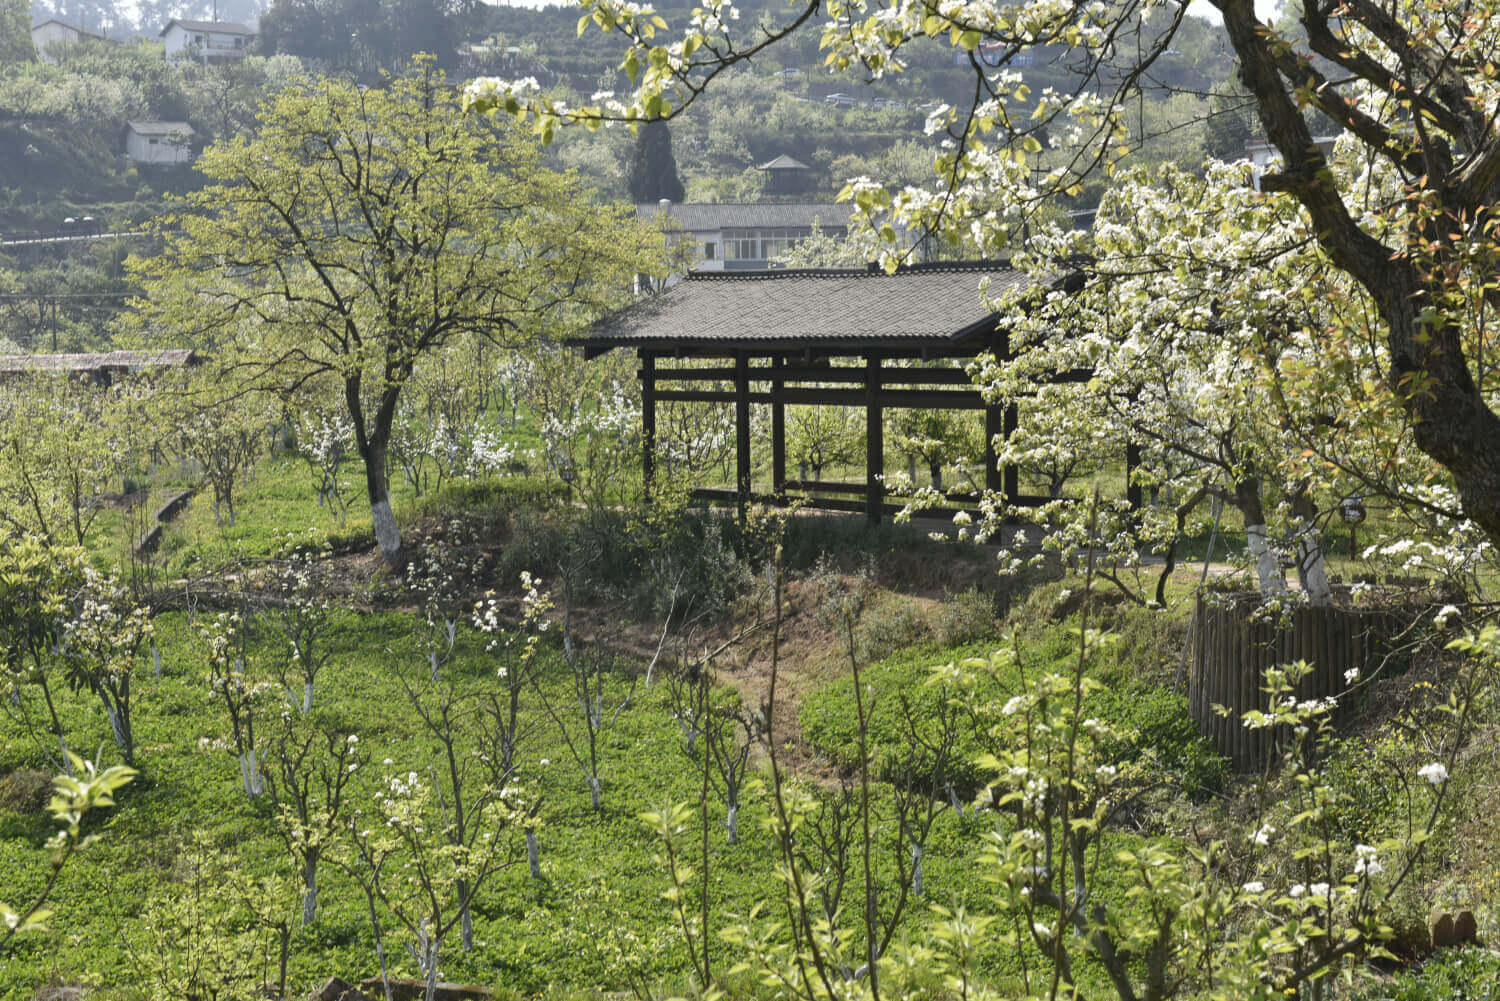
(160,128)
(217,27)
(784,162)
(106,361)
(71,27)
(921,305)
(710,216)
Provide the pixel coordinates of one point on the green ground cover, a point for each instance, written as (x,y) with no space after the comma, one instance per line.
(600,883)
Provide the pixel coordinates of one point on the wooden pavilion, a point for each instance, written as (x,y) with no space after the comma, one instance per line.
(828,337)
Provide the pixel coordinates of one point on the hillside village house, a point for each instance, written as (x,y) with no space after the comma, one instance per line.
(730,236)
(159,143)
(210,41)
(55,33)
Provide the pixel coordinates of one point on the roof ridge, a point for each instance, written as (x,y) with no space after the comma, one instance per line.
(870,270)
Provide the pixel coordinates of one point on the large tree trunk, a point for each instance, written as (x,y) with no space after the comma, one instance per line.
(1267,566)
(1429,371)
(387,534)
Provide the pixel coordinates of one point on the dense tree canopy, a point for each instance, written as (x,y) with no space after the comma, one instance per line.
(1411,86)
(364,229)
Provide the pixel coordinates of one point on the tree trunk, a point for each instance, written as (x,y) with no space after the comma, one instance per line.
(309,891)
(533,854)
(1429,370)
(733,823)
(387,535)
(1267,567)
(465,916)
(1312,571)
(373,445)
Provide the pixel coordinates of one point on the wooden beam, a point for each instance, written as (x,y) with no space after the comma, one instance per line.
(874,440)
(917,399)
(779,371)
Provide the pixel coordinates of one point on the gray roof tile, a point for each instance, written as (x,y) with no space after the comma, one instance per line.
(921,305)
(709,216)
(217,27)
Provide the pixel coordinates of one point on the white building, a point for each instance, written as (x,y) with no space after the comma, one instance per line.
(210,41)
(738,236)
(54,32)
(159,143)
(1264,156)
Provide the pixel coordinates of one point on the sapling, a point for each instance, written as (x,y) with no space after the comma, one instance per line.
(38,582)
(232,685)
(307,784)
(731,733)
(302,616)
(408,858)
(101,642)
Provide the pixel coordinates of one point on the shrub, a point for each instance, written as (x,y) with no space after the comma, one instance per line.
(25,790)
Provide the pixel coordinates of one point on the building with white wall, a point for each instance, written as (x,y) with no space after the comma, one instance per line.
(210,41)
(55,33)
(159,143)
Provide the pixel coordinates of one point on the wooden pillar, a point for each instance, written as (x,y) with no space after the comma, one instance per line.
(778,432)
(742,430)
(1012,474)
(648,421)
(1132,490)
(874,440)
(994,427)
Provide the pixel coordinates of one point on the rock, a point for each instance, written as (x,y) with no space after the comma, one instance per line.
(338,990)
(1441,929)
(1453,929)
(415,989)
(59,992)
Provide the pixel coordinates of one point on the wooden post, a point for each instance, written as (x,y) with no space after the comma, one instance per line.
(874,440)
(778,432)
(1132,490)
(648,421)
(1012,475)
(994,427)
(742,430)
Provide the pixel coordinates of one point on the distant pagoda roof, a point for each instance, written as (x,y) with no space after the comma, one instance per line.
(784,162)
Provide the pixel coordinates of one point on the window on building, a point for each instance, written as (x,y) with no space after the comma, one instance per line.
(708,251)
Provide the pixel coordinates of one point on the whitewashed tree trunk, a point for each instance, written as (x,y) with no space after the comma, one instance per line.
(250,774)
(307,696)
(465,917)
(953,800)
(1267,567)
(1312,571)
(594,792)
(116,726)
(533,854)
(309,892)
(733,824)
(916,871)
(155,659)
(387,535)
